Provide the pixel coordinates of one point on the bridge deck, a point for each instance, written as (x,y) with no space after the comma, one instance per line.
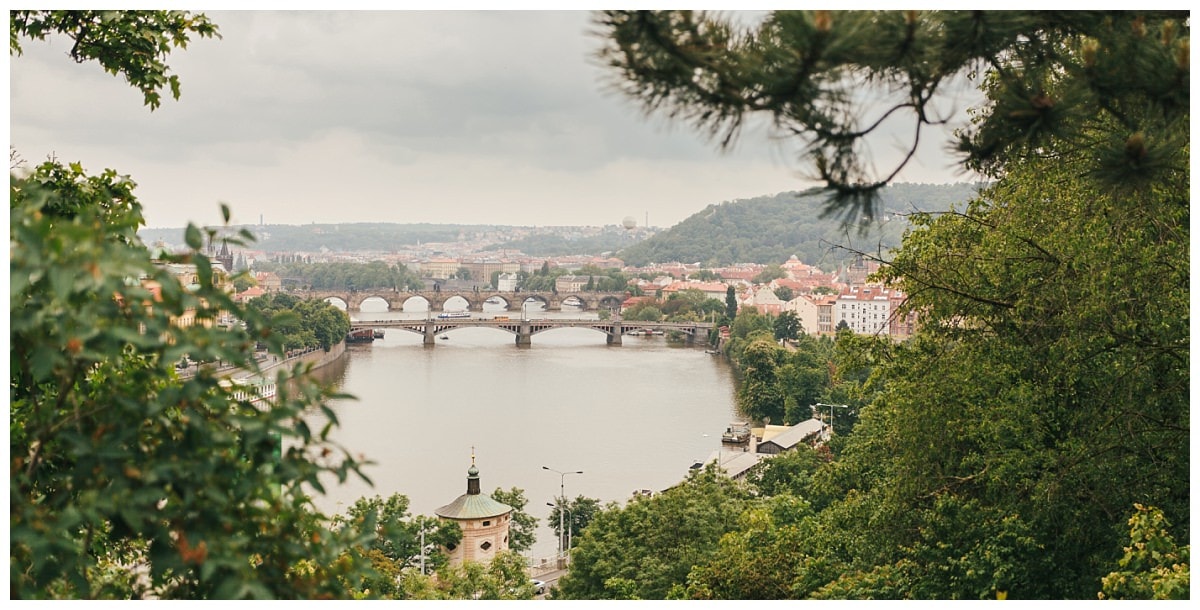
(524,329)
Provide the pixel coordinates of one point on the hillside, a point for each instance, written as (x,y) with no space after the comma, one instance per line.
(771,228)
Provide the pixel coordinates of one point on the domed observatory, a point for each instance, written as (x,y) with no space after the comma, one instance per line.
(484,523)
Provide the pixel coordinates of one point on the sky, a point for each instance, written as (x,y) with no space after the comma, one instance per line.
(467,117)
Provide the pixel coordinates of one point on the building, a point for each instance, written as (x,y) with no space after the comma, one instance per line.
(736,464)
(712,290)
(440,268)
(507,282)
(777,441)
(481,269)
(571,283)
(268,281)
(807,312)
(484,523)
(865,309)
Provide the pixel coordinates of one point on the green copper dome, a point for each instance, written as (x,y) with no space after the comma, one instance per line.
(473,505)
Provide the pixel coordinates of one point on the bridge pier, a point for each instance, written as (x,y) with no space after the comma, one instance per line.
(614,337)
(525,335)
(430,336)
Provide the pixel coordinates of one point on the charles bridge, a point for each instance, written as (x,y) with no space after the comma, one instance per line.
(513,301)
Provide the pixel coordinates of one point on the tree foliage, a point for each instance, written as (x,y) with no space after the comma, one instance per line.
(1153,566)
(301,323)
(134,44)
(772,228)
(522,531)
(645,549)
(837,81)
(999,450)
(117,462)
(127,481)
(578,515)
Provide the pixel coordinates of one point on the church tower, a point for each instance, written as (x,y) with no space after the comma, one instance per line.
(484,523)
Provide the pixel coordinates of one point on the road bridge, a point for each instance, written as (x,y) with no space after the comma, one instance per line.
(436,299)
(525,329)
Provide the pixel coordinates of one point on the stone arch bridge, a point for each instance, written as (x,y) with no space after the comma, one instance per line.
(588,301)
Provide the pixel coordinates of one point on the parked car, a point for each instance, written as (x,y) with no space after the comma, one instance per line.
(539,587)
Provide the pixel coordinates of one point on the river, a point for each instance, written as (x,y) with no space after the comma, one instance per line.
(630,417)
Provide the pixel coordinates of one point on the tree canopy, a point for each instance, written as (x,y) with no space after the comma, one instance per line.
(1045,398)
(126,480)
(835,81)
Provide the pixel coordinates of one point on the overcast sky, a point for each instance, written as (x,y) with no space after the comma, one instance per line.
(460,117)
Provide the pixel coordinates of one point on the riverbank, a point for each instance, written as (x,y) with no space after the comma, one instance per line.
(316,356)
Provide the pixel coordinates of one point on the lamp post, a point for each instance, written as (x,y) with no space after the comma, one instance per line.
(563,495)
(570,522)
(831,407)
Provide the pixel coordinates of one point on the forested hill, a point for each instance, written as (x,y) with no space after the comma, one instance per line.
(770,229)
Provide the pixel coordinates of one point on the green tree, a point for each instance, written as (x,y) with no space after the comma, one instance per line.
(578,515)
(116,461)
(1153,567)
(731,303)
(643,312)
(243,282)
(1117,82)
(522,531)
(787,326)
(770,272)
(1043,372)
(759,393)
(784,293)
(134,44)
(393,542)
(653,542)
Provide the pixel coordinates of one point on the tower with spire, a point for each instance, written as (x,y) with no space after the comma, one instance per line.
(484,522)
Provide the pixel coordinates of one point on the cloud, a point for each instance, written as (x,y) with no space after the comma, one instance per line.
(399,116)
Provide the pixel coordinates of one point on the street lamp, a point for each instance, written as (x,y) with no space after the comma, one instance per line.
(820,404)
(570,522)
(563,495)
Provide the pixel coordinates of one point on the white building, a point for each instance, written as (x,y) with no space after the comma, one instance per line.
(506,282)
(865,309)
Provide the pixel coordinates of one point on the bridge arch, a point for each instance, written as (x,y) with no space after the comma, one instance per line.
(456,303)
(338,302)
(536,298)
(610,302)
(506,299)
(373,303)
(415,303)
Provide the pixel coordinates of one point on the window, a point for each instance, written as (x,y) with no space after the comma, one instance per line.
(487,544)
(487,523)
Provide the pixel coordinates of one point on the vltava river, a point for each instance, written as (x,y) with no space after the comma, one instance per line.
(630,417)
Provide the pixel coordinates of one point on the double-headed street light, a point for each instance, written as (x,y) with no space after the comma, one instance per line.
(563,495)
